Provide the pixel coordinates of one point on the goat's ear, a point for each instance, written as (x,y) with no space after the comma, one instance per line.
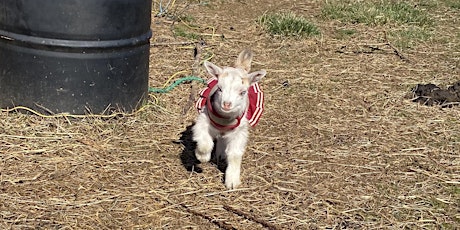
(212,69)
(244,60)
(256,76)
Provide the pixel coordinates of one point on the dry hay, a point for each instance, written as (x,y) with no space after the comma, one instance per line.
(339,145)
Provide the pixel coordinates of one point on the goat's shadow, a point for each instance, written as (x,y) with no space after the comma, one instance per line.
(187,156)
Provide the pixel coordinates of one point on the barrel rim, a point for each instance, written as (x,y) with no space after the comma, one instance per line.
(34,40)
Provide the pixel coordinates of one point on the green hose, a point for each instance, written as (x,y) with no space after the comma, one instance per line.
(176,83)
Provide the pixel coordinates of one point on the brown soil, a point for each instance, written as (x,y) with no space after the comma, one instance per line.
(339,146)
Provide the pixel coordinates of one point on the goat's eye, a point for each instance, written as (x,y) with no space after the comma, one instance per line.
(219,89)
(243,92)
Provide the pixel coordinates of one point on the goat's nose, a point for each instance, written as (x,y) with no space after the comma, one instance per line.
(227,105)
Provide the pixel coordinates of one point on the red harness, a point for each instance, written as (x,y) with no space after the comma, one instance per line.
(253,112)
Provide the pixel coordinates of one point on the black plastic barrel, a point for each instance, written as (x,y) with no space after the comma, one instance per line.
(74,56)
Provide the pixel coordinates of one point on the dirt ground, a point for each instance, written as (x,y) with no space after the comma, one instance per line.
(340,146)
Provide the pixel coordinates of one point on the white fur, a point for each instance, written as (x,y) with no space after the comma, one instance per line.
(231,101)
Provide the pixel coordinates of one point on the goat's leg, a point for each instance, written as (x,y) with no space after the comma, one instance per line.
(203,139)
(232,173)
(236,145)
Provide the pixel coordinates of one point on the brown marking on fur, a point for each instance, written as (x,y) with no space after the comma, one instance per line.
(224,74)
(245,81)
(244,60)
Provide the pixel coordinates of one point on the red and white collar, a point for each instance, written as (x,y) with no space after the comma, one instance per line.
(217,120)
(253,113)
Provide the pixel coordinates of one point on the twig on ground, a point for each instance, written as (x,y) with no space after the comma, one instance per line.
(252,217)
(395,50)
(220,224)
(195,70)
(22,180)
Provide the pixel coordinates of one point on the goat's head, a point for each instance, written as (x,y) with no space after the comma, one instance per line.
(233,83)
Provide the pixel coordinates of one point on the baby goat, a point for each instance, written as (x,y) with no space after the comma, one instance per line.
(232,102)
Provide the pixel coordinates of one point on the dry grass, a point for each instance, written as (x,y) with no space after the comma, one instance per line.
(339,145)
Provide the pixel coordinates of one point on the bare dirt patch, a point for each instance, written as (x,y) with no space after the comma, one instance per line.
(339,145)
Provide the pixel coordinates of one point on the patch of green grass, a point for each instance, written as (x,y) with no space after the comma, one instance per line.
(433,4)
(186,18)
(455,190)
(438,204)
(409,37)
(428,4)
(376,13)
(454,4)
(288,24)
(345,33)
(182,32)
(186,27)
(448,226)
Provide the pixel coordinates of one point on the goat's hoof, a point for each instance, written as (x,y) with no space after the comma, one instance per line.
(232,183)
(203,152)
(203,158)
